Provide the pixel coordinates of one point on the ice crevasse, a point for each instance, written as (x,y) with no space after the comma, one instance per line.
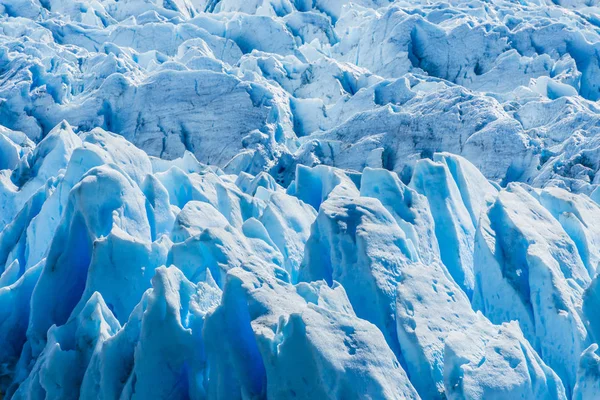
(223,199)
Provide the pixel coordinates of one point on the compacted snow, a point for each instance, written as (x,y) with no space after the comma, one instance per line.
(299,199)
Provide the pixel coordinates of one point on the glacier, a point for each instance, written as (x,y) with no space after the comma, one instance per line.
(324,199)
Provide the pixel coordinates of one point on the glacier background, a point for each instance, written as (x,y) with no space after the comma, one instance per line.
(299,199)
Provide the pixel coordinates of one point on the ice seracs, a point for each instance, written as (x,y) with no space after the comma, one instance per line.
(342,277)
(528,269)
(299,199)
(385,82)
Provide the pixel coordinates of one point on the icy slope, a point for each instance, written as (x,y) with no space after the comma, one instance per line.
(299,199)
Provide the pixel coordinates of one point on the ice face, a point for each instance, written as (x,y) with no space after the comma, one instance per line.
(345,278)
(299,199)
(518,250)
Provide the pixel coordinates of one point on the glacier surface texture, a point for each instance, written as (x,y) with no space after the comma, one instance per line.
(300,199)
